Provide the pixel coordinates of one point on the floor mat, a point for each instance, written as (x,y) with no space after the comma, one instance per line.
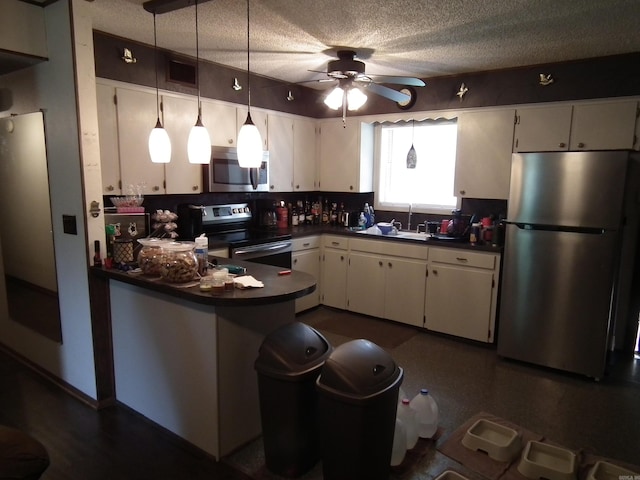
(482,464)
(383,333)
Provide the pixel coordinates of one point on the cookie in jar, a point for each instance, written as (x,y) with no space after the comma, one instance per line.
(180,263)
(151,255)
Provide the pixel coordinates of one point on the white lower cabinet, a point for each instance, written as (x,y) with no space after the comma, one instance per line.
(388,285)
(461,293)
(334,271)
(306,258)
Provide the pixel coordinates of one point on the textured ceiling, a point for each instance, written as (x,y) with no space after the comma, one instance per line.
(422,38)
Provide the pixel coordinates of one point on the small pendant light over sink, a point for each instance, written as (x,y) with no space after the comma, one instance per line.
(159,142)
(412,156)
(249,139)
(199,143)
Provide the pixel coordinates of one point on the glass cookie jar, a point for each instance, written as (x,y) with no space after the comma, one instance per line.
(180,263)
(151,255)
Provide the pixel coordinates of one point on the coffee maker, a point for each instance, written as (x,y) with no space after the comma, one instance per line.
(190,220)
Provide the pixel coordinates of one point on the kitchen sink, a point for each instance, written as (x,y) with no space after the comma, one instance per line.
(401,234)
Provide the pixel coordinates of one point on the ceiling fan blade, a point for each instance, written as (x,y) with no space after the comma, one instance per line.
(411,81)
(387,92)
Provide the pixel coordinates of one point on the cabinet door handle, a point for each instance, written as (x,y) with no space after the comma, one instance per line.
(390,264)
(306,244)
(341,258)
(463,192)
(380,263)
(350,187)
(462,259)
(335,243)
(271,187)
(580,145)
(194,188)
(110,188)
(297,187)
(230,141)
(155,188)
(562,145)
(295,260)
(435,272)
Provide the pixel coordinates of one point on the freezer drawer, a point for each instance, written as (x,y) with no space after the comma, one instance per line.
(557,290)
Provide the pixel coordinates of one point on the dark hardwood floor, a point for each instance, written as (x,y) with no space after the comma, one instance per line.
(84,444)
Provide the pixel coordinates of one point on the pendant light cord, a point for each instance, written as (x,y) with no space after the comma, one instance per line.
(197,61)
(155,64)
(248,65)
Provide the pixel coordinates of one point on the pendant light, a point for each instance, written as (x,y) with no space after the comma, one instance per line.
(249,139)
(159,142)
(412,156)
(199,143)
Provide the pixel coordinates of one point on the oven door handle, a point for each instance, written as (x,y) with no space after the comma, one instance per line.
(260,248)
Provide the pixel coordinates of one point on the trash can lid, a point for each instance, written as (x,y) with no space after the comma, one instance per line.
(291,351)
(358,369)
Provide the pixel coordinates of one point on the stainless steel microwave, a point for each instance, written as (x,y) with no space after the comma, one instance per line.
(224,173)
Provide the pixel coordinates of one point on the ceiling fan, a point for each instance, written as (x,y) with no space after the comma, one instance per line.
(350,73)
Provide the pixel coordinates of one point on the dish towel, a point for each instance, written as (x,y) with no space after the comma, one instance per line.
(247,281)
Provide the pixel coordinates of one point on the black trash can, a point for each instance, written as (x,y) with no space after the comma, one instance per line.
(357,401)
(288,364)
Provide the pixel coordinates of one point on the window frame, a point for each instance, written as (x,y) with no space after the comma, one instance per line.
(399,206)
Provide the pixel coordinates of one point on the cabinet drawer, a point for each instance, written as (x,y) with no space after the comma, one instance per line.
(397,248)
(335,241)
(305,243)
(463,257)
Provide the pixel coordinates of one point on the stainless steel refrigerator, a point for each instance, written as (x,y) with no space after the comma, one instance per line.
(571,223)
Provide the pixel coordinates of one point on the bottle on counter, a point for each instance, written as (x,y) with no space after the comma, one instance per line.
(333,216)
(325,212)
(202,254)
(294,216)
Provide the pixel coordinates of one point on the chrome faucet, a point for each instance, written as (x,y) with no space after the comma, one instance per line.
(409,221)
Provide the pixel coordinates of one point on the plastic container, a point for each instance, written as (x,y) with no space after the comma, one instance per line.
(608,471)
(426,413)
(151,255)
(202,254)
(499,442)
(357,403)
(408,417)
(542,460)
(179,263)
(399,449)
(288,364)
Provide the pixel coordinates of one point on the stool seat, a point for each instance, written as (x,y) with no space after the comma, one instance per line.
(22,457)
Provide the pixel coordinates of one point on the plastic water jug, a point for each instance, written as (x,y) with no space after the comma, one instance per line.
(408,417)
(399,448)
(426,413)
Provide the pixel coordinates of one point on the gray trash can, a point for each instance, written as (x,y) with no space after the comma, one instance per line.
(357,400)
(288,364)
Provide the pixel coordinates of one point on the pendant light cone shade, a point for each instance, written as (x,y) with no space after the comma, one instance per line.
(249,145)
(199,142)
(412,156)
(249,138)
(159,142)
(355,98)
(334,99)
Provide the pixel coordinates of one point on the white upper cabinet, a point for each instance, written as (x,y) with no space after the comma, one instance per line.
(108,133)
(136,118)
(304,155)
(220,120)
(280,142)
(483,154)
(542,129)
(604,126)
(179,116)
(346,156)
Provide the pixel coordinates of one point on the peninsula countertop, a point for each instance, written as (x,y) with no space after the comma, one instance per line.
(277,288)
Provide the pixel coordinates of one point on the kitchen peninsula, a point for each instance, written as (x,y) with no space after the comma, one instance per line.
(184,358)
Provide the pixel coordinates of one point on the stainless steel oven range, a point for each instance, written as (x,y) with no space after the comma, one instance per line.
(234,225)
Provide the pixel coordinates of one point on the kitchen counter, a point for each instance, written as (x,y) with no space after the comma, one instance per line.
(307,230)
(277,288)
(185,359)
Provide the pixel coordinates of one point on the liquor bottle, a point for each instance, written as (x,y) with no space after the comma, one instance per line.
(325,212)
(294,216)
(333,215)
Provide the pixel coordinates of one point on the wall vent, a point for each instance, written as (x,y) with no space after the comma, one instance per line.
(181,71)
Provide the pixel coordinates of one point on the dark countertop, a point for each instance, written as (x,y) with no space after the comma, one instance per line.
(308,230)
(277,288)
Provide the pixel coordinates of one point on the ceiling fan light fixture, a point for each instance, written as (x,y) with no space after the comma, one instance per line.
(356,98)
(334,99)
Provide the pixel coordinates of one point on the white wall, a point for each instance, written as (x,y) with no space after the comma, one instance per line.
(51,86)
